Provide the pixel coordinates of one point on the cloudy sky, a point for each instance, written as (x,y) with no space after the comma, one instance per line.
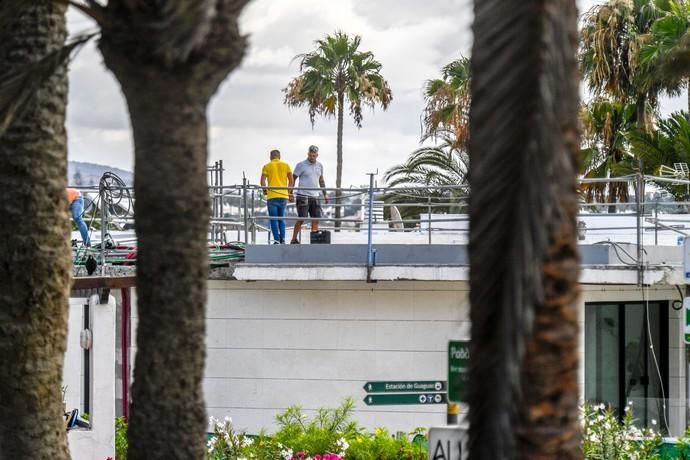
(412,39)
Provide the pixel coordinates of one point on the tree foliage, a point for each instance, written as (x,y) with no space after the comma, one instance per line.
(447,103)
(338,68)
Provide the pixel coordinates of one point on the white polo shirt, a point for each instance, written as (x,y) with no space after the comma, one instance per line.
(308,176)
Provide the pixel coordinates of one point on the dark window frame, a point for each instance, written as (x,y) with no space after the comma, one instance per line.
(662,355)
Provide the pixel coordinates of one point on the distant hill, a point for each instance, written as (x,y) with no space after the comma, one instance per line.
(86,174)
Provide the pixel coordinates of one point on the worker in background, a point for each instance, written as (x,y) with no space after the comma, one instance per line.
(76,207)
(310,175)
(277,173)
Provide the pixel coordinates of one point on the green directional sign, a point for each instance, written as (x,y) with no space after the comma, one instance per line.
(405,398)
(458,360)
(404,386)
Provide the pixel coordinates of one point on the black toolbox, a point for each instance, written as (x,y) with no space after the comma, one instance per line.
(320,237)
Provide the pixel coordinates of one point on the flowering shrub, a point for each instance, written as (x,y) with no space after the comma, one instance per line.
(301,456)
(329,435)
(332,435)
(227,443)
(380,445)
(604,437)
(324,437)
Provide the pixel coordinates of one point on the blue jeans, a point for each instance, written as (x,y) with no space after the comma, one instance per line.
(276,208)
(77,209)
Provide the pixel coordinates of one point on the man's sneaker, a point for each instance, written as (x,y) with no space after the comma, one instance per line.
(282,241)
(294,242)
(276,242)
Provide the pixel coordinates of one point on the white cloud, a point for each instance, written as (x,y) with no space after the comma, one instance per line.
(412,40)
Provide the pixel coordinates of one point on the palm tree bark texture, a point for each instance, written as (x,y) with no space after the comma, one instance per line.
(168,75)
(523,393)
(34,247)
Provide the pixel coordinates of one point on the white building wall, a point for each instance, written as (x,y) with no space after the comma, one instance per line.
(98,442)
(272,345)
(313,343)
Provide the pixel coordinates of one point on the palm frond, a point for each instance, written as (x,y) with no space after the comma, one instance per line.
(173,29)
(337,66)
(447,102)
(9,10)
(19,85)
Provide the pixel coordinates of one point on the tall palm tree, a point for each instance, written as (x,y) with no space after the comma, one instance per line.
(611,38)
(433,166)
(34,230)
(667,48)
(522,393)
(665,146)
(447,103)
(332,73)
(605,150)
(169,58)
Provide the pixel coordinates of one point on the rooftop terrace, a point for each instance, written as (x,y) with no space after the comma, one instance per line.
(422,231)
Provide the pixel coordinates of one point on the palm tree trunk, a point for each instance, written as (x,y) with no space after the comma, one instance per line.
(167,106)
(641,112)
(34,247)
(522,392)
(339,161)
(172,213)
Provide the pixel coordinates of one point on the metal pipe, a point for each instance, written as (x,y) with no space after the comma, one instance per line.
(429,216)
(220,204)
(370,252)
(244,206)
(656,227)
(124,348)
(104,225)
(638,200)
(253,221)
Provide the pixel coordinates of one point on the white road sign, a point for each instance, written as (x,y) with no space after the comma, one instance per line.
(448,443)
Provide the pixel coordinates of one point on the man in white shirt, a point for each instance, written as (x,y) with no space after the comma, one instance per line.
(309,173)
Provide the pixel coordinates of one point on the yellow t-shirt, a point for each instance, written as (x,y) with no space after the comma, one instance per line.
(277,173)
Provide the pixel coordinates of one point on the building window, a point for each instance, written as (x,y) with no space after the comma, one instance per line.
(620,366)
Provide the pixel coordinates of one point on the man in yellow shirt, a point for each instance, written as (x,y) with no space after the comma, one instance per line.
(278,174)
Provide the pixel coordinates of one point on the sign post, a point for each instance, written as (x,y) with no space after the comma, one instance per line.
(686,323)
(458,360)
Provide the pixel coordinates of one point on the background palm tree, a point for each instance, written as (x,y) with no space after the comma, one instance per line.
(335,71)
(34,230)
(447,103)
(605,149)
(522,389)
(664,146)
(611,38)
(667,49)
(433,166)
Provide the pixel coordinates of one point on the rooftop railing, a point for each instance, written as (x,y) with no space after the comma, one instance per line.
(420,214)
